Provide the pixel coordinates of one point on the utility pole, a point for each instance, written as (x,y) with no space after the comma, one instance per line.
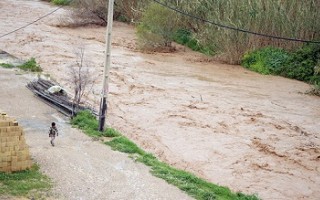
(105,87)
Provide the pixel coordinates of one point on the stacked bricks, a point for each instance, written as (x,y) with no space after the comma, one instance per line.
(14,153)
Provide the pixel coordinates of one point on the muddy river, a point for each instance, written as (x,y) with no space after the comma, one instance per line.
(253,133)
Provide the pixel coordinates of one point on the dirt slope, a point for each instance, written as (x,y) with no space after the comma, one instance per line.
(253,133)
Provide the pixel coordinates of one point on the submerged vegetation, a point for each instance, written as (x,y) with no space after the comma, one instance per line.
(30,65)
(61,2)
(6,65)
(192,185)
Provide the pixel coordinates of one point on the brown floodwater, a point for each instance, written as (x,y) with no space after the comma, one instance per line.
(253,133)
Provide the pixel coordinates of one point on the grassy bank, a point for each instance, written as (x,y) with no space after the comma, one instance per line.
(23,182)
(192,185)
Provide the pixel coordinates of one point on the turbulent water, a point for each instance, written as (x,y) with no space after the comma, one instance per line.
(253,133)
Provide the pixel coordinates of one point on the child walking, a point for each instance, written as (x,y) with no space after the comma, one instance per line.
(53,131)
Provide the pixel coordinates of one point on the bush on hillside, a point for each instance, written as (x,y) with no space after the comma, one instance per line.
(302,64)
(267,60)
(156,28)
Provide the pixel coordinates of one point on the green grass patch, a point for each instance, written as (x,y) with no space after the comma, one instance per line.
(61,2)
(110,132)
(123,144)
(30,65)
(87,122)
(192,185)
(6,65)
(21,183)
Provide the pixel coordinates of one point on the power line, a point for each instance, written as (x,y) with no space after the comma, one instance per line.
(46,15)
(233,28)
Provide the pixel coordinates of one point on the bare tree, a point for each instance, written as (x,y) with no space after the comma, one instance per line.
(96,12)
(81,79)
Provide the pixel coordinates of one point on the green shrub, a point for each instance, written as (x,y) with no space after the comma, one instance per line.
(302,63)
(61,2)
(148,40)
(156,28)
(182,36)
(31,65)
(267,60)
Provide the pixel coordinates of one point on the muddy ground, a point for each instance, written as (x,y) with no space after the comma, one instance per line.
(253,133)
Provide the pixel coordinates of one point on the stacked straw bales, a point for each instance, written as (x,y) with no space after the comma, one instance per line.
(14,153)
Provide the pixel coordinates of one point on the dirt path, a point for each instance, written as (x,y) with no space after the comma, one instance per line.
(80,168)
(252,133)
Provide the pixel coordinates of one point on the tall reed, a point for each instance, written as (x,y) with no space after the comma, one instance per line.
(286,18)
